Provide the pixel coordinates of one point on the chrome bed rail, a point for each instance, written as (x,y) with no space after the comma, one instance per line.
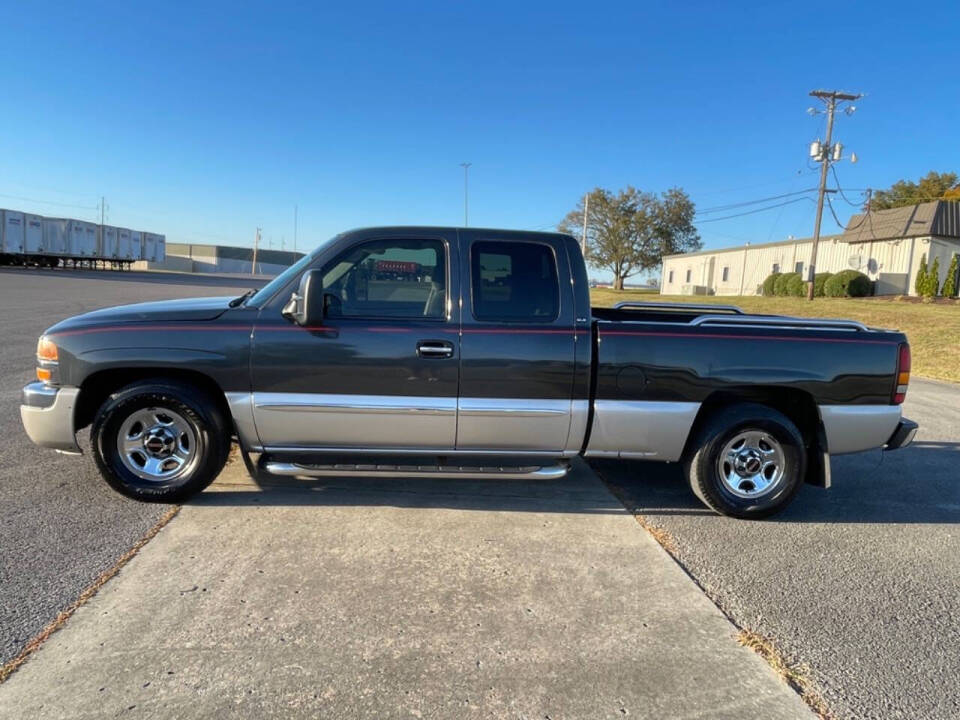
(732,316)
(650,305)
(781,322)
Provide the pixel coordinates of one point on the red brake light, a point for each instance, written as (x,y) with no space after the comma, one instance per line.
(903,374)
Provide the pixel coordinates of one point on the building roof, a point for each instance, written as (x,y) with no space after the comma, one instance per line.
(939,217)
(738,248)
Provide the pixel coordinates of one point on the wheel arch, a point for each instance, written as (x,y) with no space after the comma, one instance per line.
(98,386)
(798,405)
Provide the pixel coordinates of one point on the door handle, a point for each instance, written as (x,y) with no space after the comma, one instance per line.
(434,349)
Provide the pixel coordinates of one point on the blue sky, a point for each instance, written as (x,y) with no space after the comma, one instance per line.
(204,120)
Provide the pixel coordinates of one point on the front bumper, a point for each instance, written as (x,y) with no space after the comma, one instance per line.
(902,436)
(47,416)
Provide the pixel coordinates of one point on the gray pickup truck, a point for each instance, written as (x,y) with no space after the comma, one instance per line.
(411,351)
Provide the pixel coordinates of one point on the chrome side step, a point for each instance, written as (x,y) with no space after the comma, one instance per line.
(503,472)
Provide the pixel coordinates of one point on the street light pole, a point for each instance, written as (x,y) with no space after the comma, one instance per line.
(466,168)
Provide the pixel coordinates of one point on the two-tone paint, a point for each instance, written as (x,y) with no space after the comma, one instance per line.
(600,383)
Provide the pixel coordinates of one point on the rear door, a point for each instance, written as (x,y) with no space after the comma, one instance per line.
(517,345)
(382,370)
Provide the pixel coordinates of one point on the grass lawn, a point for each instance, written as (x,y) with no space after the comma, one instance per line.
(933,329)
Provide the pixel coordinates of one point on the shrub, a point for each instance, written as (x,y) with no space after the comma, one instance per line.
(921,281)
(950,284)
(932,284)
(769,283)
(818,282)
(796,287)
(847,283)
(780,286)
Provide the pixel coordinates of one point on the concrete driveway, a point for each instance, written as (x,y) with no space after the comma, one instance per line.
(860,582)
(400,599)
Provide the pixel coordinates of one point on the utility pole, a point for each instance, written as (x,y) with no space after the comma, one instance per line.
(294,228)
(466,168)
(256,246)
(825,154)
(586,214)
(103,209)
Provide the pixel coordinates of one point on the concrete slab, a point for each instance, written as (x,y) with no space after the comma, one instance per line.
(399,599)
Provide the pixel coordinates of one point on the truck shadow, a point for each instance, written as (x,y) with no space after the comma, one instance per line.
(581,491)
(919,484)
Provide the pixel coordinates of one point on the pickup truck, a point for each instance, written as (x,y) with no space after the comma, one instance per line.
(453,352)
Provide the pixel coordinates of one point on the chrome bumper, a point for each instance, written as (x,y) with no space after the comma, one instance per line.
(47,416)
(902,436)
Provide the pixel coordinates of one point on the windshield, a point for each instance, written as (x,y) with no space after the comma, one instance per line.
(268,290)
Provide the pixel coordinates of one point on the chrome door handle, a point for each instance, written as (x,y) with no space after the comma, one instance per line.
(434,349)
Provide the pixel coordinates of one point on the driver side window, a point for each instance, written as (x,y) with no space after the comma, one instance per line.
(396,278)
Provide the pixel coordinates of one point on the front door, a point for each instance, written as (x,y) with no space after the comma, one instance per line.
(382,371)
(518,344)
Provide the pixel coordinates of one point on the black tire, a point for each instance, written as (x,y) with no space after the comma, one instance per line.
(204,423)
(706,474)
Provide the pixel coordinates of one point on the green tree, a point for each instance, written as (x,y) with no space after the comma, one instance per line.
(931,186)
(629,232)
(921,281)
(950,283)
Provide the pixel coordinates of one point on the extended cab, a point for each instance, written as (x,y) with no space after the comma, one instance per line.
(461,352)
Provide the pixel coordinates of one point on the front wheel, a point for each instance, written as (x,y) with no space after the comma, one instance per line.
(747,461)
(159,441)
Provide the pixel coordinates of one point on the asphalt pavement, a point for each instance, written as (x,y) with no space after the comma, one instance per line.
(60,525)
(860,582)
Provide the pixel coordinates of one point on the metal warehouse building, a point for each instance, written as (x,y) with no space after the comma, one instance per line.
(886,245)
(183,257)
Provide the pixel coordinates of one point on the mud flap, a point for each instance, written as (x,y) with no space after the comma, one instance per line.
(818,460)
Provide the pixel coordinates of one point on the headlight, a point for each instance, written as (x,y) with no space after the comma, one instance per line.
(47,360)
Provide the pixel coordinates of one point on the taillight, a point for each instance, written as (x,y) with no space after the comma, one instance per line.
(903,374)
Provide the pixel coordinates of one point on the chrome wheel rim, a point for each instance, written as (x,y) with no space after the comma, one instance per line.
(751,464)
(157,444)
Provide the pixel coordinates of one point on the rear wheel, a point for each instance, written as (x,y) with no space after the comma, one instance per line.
(747,461)
(159,440)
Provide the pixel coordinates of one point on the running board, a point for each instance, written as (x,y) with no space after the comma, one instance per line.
(503,472)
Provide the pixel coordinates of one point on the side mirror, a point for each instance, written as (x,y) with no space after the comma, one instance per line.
(305,306)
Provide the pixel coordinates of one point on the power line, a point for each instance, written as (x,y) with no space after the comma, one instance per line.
(833,169)
(753,212)
(733,206)
(50,202)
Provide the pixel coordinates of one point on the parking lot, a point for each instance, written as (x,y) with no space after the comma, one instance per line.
(859,583)
(60,525)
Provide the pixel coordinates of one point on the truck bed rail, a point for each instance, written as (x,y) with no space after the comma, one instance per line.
(650,305)
(781,321)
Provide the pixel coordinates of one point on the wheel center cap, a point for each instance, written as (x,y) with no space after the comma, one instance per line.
(159,442)
(748,463)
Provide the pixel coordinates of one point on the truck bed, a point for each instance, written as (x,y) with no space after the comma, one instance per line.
(670,359)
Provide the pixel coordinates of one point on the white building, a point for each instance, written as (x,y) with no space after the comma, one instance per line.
(886,245)
(184,257)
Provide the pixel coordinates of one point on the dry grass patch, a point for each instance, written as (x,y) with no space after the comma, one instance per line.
(932,328)
(795,675)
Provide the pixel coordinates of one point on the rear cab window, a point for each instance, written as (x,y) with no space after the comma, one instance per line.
(513,281)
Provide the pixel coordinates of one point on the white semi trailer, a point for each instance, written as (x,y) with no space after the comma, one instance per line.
(27,239)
